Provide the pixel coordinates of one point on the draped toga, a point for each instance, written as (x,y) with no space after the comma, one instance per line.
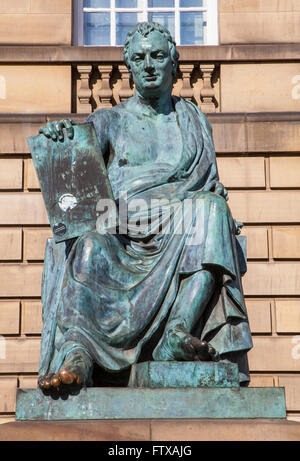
(111,294)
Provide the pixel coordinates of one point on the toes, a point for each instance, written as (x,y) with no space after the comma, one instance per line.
(201,348)
(41,381)
(78,380)
(55,381)
(204,350)
(213,353)
(184,346)
(69,377)
(199,345)
(45,382)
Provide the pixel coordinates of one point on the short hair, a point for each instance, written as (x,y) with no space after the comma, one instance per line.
(144,29)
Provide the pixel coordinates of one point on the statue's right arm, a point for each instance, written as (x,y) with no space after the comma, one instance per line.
(54,130)
(103,120)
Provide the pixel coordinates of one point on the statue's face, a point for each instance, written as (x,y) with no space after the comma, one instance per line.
(151,64)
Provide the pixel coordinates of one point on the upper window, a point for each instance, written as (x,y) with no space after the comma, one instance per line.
(107,22)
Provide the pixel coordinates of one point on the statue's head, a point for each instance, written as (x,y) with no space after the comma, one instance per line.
(151,57)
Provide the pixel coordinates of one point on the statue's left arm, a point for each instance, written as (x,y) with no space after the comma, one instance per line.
(208,169)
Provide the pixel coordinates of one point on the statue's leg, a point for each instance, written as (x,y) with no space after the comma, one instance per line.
(177,343)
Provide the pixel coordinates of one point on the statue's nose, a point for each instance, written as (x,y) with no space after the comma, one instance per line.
(148,64)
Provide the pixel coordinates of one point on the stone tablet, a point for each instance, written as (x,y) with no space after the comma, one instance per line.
(73,178)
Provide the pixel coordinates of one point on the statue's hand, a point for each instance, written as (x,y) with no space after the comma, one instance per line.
(221,190)
(54,130)
(216,187)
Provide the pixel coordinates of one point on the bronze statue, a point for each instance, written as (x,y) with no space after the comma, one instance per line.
(146,294)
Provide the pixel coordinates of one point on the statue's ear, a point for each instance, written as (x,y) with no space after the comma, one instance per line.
(174,57)
(174,70)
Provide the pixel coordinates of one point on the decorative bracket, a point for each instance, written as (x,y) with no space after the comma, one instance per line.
(207,93)
(84,92)
(125,90)
(186,91)
(105,92)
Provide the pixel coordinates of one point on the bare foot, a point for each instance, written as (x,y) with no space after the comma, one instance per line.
(74,371)
(56,379)
(178,344)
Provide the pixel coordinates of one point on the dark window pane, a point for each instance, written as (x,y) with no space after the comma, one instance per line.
(96,3)
(124,23)
(165,19)
(97,28)
(191,28)
(160,3)
(126,3)
(188,3)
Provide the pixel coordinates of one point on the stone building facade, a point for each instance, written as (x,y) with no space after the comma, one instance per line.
(249,87)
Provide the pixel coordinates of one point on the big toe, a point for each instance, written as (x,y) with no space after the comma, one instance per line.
(69,377)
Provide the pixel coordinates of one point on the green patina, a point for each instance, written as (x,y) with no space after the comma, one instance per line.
(114,300)
(125,403)
(184,374)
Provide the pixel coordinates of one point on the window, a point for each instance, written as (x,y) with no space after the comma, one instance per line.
(107,22)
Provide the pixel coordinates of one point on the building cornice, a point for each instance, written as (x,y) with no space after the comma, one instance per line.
(272,52)
(221,117)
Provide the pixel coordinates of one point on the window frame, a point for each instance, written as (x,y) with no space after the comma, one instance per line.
(211,31)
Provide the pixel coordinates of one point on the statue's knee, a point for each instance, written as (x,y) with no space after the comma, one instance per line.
(89,242)
(212,199)
(208,277)
(202,278)
(219,202)
(88,246)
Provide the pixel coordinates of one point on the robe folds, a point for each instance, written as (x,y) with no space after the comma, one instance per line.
(111,293)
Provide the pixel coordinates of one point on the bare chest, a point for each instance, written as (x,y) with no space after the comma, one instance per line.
(142,140)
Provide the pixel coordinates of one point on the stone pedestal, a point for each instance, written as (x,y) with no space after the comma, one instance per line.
(134,403)
(159,390)
(165,401)
(156,375)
